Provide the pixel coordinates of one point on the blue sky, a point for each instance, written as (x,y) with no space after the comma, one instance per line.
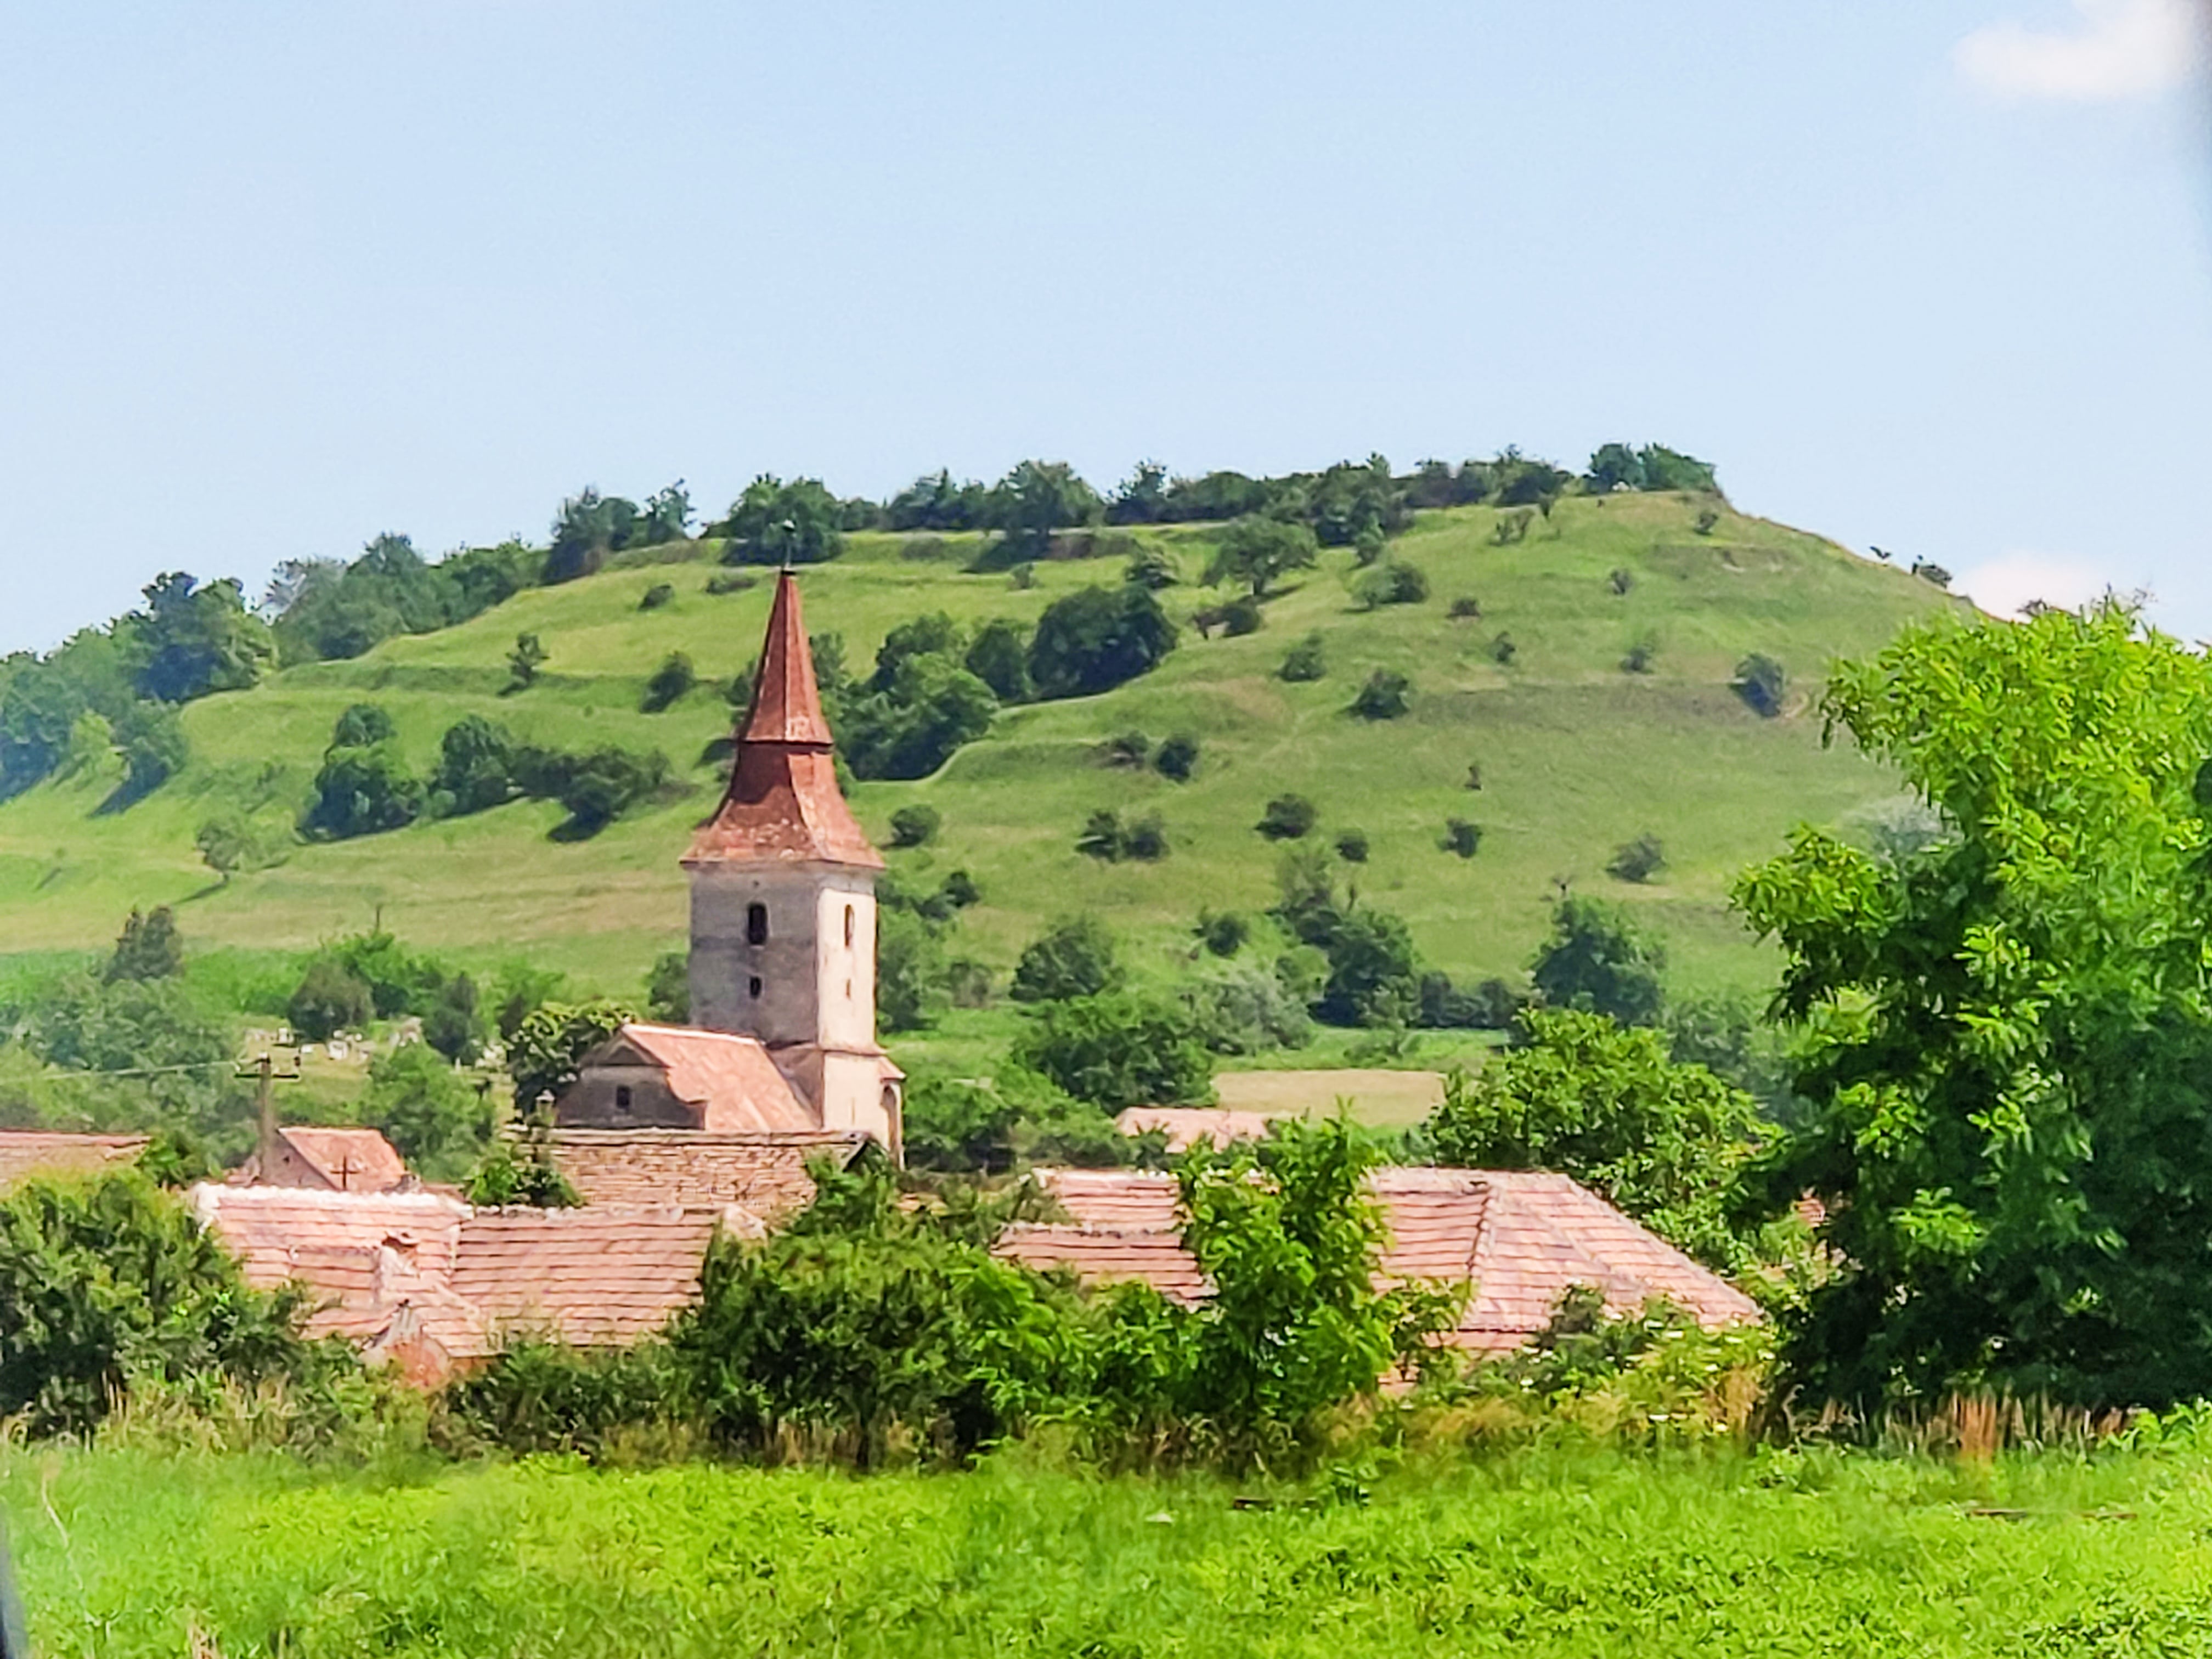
(276,279)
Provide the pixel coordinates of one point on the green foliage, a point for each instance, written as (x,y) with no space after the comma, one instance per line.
(998,656)
(453,1022)
(328,610)
(915,825)
(909,970)
(1928,571)
(1257,553)
(1351,845)
(1306,661)
(543,1054)
(1224,932)
(1131,749)
(1466,608)
(113,1285)
(1106,837)
(1386,696)
(1118,1049)
(1152,566)
(1654,466)
(331,998)
(1762,683)
(1596,960)
(1097,638)
(668,989)
(1373,970)
(1245,1008)
(1391,583)
(523,662)
(924,707)
(1178,758)
(1075,957)
(150,947)
(193,639)
(1637,860)
(1503,650)
(1608,1105)
(656,596)
(1462,836)
(596,786)
(2003,1034)
(519,1171)
(1643,653)
(1240,616)
(1030,503)
(364,786)
(779,523)
(477,763)
(669,683)
(1288,817)
(439,1123)
(151,740)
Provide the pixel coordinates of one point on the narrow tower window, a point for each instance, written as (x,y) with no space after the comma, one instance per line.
(622,1096)
(752,987)
(848,927)
(755,924)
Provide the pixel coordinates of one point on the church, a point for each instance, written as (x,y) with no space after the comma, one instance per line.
(782,949)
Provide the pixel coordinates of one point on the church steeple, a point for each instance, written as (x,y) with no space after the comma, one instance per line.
(783,803)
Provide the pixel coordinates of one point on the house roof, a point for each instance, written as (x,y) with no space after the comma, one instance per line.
(350,1160)
(783,803)
(1522,1237)
(590,1277)
(763,1172)
(25,1153)
(279,1232)
(1186,1127)
(732,1080)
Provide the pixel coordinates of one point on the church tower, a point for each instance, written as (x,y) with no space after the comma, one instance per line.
(783,900)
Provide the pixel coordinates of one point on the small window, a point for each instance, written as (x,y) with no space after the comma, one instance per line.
(753,988)
(622,1096)
(848,927)
(848,990)
(890,1101)
(756,925)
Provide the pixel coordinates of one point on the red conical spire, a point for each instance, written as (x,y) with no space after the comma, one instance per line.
(783,803)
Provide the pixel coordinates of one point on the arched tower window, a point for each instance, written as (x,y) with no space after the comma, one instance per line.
(848,927)
(755,924)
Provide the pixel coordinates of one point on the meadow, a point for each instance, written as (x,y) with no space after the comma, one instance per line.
(1568,1551)
(1576,755)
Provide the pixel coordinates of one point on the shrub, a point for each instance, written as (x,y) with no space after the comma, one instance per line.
(1394,583)
(779,523)
(656,596)
(1466,608)
(1118,1049)
(150,947)
(1351,845)
(670,682)
(330,997)
(1596,960)
(1637,860)
(1707,520)
(1512,527)
(925,549)
(1244,1008)
(1462,837)
(1374,974)
(1256,552)
(1152,566)
(1102,836)
(1129,749)
(1073,958)
(1178,758)
(599,786)
(1288,817)
(1620,580)
(476,766)
(523,662)
(1098,638)
(1385,697)
(915,825)
(668,988)
(363,792)
(543,1054)
(427,1110)
(1241,617)
(1473,776)
(1642,651)
(1223,932)
(998,656)
(1022,576)
(1146,840)
(520,1174)
(1503,650)
(1304,661)
(1762,683)
(931,709)
(731,581)
(454,1024)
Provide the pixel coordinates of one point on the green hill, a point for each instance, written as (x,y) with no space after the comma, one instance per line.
(1576,755)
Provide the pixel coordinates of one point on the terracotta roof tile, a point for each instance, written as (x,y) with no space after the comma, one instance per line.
(765,1172)
(25,1153)
(1108,1255)
(350,1160)
(1187,1126)
(732,1080)
(590,1277)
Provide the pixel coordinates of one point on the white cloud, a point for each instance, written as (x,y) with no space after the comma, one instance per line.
(2119,49)
(2007,584)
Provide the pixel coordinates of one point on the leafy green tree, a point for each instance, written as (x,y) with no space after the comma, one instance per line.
(588,527)
(1142,497)
(1762,683)
(1392,583)
(1462,836)
(228,843)
(193,639)
(915,824)
(1306,661)
(543,1054)
(1608,1105)
(2003,1036)
(998,656)
(523,662)
(362,726)
(1386,696)
(363,792)
(151,740)
(934,503)
(909,970)
(453,1022)
(1374,973)
(1118,1049)
(1075,957)
(1596,960)
(1097,638)
(1178,758)
(330,997)
(1288,817)
(668,989)
(779,523)
(1104,837)
(598,787)
(150,947)
(1224,932)
(932,709)
(439,1123)
(1035,499)
(669,683)
(666,518)
(1245,1008)
(477,763)
(1351,845)
(1257,553)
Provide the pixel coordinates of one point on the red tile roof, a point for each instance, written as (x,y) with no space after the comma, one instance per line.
(732,1080)
(348,1160)
(783,802)
(25,1153)
(590,1277)
(1522,1237)
(1187,1126)
(763,1171)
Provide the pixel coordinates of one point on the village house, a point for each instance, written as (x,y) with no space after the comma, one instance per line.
(672,1134)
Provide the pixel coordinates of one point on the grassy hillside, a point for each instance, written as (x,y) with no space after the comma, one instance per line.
(1576,755)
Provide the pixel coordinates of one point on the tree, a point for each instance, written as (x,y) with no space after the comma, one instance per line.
(909,970)
(1351,845)
(193,639)
(330,997)
(1097,638)
(453,1022)
(998,656)
(1385,697)
(477,763)
(226,844)
(149,948)
(1462,836)
(666,518)
(1142,497)
(915,824)
(524,661)
(588,528)
(932,709)
(151,739)
(362,726)
(1596,961)
(668,989)
(1118,1049)
(1306,661)
(1761,681)
(1035,499)
(2003,1038)
(1257,553)
(1075,957)
(362,791)
(1374,974)
(1178,758)
(1288,817)
(542,1055)
(428,1110)
(1393,583)
(779,523)
(669,683)
(1637,860)
(1589,1099)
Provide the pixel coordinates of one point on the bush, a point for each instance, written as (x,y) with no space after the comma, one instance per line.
(668,989)
(150,947)
(1241,617)
(778,523)
(1620,580)
(1153,567)
(1178,758)
(1075,956)
(924,709)
(1130,749)
(1707,520)
(1466,608)
(1223,932)
(1462,837)
(731,581)
(915,825)
(669,682)
(1351,845)
(1244,1008)
(1097,638)
(1762,683)
(1642,651)
(1304,661)
(363,792)
(1118,1049)
(1256,552)
(476,766)
(998,656)
(1288,817)
(1146,840)
(454,1024)
(523,662)
(428,1110)
(1394,583)
(1385,697)
(656,596)
(331,998)
(1102,836)
(1503,650)
(1596,960)
(1374,974)
(599,787)
(543,1054)
(1637,860)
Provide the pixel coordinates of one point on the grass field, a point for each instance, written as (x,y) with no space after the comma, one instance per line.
(1576,755)
(125,1554)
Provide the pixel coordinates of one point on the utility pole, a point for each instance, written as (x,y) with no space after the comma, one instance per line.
(266,1076)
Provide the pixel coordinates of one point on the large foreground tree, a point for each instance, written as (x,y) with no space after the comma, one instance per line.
(2007,1033)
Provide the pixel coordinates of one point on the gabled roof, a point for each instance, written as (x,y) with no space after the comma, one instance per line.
(589,1277)
(763,1172)
(783,803)
(1186,1127)
(1523,1237)
(25,1153)
(280,1233)
(732,1080)
(348,1160)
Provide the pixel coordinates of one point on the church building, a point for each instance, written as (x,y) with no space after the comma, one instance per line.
(782,947)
